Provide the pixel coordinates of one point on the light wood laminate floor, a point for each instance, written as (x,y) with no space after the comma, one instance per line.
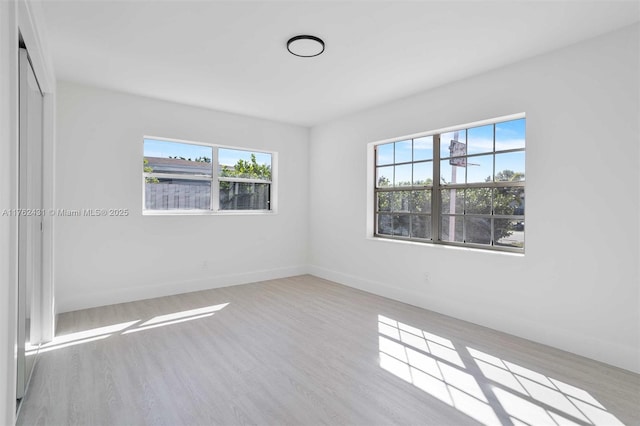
(306,351)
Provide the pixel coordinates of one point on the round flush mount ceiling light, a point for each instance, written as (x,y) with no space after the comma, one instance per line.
(305,46)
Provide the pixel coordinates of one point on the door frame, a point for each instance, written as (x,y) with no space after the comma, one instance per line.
(30,227)
(31,29)
(22,17)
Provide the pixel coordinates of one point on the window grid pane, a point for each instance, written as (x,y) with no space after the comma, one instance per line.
(244,196)
(385,224)
(423,148)
(402,175)
(509,233)
(421,201)
(451,228)
(400,201)
(423,173)
(477,230)
(401,223)
(384,202)
(421,226)
(177,194)
(402,152)
(384,176)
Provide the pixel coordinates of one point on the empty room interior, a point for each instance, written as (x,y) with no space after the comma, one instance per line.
(320,212)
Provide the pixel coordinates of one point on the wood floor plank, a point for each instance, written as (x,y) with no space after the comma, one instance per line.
(303,350)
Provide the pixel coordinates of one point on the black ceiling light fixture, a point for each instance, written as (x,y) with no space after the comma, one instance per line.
(305,46)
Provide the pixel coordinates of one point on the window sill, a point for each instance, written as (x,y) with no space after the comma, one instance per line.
(208,213)
(445,246)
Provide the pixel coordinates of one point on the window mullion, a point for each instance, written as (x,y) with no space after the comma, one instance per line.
(375,191)
(243,180)
(176,176)
(435,190)
(215,181)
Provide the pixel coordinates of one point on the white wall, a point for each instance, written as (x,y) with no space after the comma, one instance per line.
(576,288)
(104,260)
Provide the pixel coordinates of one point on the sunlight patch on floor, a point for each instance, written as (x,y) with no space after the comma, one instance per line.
(100,333)
(481,385)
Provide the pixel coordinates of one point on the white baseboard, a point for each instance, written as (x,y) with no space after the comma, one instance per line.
(86,300)
(612,353)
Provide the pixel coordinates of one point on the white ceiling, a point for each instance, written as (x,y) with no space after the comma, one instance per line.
(232,56)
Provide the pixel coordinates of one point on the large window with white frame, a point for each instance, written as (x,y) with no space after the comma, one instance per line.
(192,177)
(465,186)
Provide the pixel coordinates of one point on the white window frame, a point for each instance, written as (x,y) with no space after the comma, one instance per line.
(436,214)
(215,180)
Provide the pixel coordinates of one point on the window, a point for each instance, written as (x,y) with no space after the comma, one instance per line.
(461,187)
(191,177)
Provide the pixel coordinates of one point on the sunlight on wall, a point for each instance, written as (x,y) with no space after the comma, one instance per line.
(122,328)
(481,385)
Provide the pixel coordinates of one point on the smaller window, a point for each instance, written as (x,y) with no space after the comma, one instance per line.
(180,176)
